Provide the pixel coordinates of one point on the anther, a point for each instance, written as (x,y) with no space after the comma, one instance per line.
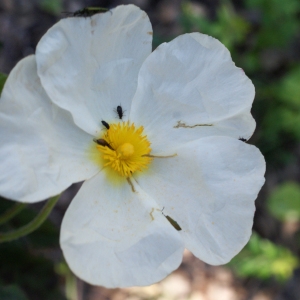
(103,143)
(105,124)
(172,221)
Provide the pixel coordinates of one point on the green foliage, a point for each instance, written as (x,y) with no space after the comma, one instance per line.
(26,256)
(288,88)
(3,78)
(284,201)
(280,103)
(12,292)
(52,6)
(277,17)
(264,260)
(46,236)
(23,266)
(230,28)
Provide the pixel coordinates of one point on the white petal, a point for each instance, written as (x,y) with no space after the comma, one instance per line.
(42,151)
(114,237)
(191,88)
(89,66)
(209,189)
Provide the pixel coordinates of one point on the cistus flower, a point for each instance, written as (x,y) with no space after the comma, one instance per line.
(154,135)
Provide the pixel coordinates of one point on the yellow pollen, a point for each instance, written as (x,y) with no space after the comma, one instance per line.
(123,148)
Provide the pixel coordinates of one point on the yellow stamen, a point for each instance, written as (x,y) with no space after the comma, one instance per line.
(124,147)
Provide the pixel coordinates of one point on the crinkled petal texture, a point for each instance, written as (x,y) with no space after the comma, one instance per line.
(89,66)
(116,238)
(192,86)
(209,189)
(42,150)
(193,102)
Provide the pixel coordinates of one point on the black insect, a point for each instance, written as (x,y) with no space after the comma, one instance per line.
(87,11)
(243,139)
(119,110)
(105,124)
(103,143)
(173,222)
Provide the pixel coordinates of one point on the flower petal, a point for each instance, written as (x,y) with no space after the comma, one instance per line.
(192,89)
(89,66)
(209,189)
(42,150)
(115,237)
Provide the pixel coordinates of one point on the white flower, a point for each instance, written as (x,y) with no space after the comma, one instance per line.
(186,101)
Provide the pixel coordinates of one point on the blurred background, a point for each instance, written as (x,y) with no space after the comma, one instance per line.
(263,37)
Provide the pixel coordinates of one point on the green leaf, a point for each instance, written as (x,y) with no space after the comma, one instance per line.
(230,28)
(3,78)
(27,267)
(284,201)
(288,89)
(263,259)
(52,6)
(274,12)
(12,292)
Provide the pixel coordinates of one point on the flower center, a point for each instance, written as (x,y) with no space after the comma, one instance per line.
(124,148)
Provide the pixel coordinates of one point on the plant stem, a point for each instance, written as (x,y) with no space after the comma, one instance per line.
(11,212)
(33,225)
